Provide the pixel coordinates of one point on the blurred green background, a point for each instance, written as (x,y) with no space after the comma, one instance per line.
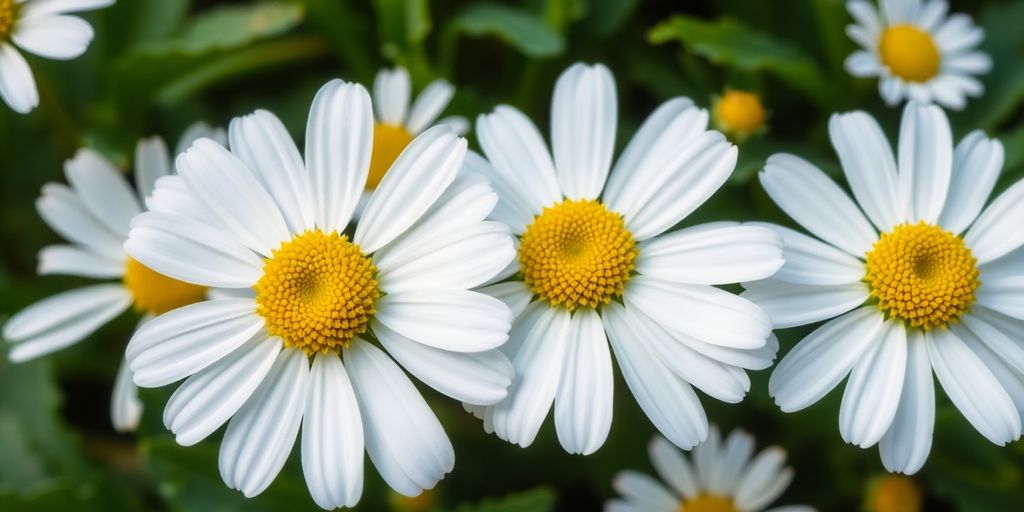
(158,65)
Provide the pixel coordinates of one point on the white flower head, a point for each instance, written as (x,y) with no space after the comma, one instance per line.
(43,28)
(917,51)
(94,214)
(722,477)
(307,292)
(596,266)
(918,277)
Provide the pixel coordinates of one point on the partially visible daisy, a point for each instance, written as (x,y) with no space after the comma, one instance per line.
(917,51)
(597,266)
(920,278)
(738,114)
(894,493)
(94,214)
(721,478)
(305,291)
(44,28)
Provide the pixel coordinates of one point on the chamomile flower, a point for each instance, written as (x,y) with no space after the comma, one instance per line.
(596,266)
(738,114)
(43,28)
(94,214)
(917,51)
(921,278)
(307,291)
(722,477)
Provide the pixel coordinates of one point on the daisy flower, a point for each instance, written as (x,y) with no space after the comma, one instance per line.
(738,114)
(920,278)
(43,28)
(721,478)
(596,267)
(917,51)
(305,292)
(94,214)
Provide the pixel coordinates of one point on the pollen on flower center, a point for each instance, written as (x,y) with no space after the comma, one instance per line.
(909,52)
(8,15)
(708,503)
(388,142)
(577,253)
(155,293)
(317,292)
(739,112)
(922,274)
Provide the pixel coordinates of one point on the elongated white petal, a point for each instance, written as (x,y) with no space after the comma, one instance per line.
(869,165)
(103,190)
(673,467)
(646,492)
(905,446)
(514,294)
(392,89)
(55,36)
(75,261)
(583,403)
(458,320)
(583,122)
(45,7)
(66,214)
(712,255)
(733,458)
(152,162)
(125,405)
(429,105)
(873,391)
(458,258)
(997,230)
(17,85)
(811,261)
(520,159)
(977,162)
(760,478)
(792,304)
(925,162)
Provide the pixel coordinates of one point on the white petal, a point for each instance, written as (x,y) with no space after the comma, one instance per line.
(125,405)
(818,362)
(1006,297)
(896,11)
(248,211)
(958,34)
(792,304)
(429,105)
(873,391)
(931,13)
(458,320)
(583,403)
(760,478)
(863,64)
(152,162)
(811,261)
(925,161)
(732,459)
(892,90)
(17,86)
(514,294)
(75,261)
(479,378)
(200,130)
(332,436)
(869,165)
(977,162)
(53,36)
(703,312)
(997,230)
(712,254)
(583,122)
(404,439)
(775,488)
(416,180)
(906,444)
(646,492)
(179,343)
(262,142)
(339,141)
(865,14)
(972,388)
(63,320)
(989,328)
(103,190)
(510,208)
(392,89)
(1009,378)
(209,398)
(516,150)
(974,63)
(44,7)
(673,467)
(458,124)
(666,399)
(813,200)
(65,212)
(260,437)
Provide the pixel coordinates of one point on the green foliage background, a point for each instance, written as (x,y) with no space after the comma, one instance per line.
(158,65)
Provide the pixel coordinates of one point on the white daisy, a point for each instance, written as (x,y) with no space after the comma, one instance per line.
(94,214)
(272,227)
(917,51)
(721,478)
(594,258)
(44,28)
(925,279)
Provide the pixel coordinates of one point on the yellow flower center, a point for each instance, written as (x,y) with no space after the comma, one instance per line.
(388,142)
(8,14)
(708,503)
(895,493)
(155,293)
(922,274)
(739,112)
(577,253)
(910,53)
(317,292)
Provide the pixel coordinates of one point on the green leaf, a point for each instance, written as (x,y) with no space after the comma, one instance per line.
(729,43)
(518,28)
(229,27)
(403,25)
(540,499)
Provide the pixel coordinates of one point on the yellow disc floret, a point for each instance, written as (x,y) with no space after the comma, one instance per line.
(708,503)
(155,293)
(922,274)
(388,142)
(739,113)
(577,253)
(317,292)
(8,14)
(895,493)
(909,52)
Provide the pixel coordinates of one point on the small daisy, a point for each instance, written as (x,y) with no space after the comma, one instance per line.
(94,214)
(44,28)
(921,278)
(917,51)
(594,258)
(721,478)
(306,292)
(738,114)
